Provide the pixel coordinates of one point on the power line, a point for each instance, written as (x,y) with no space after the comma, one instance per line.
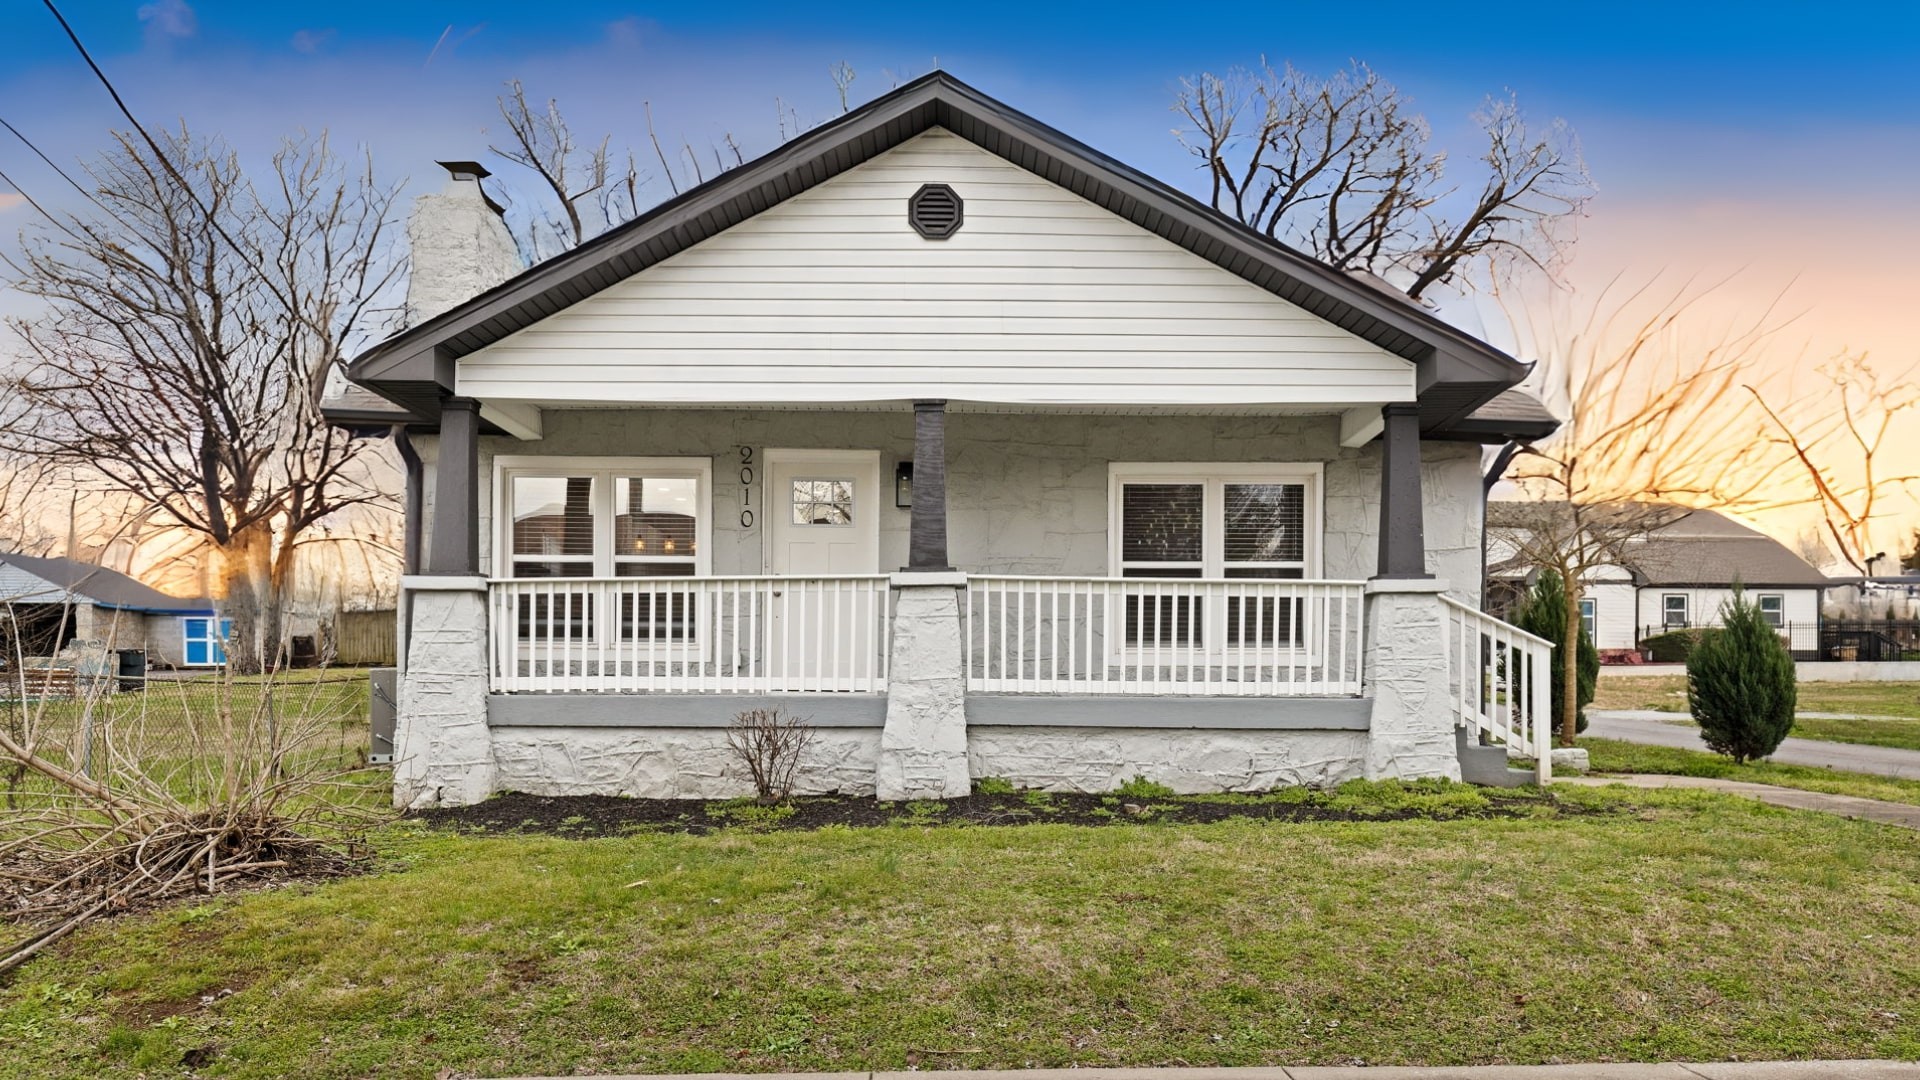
(62,173)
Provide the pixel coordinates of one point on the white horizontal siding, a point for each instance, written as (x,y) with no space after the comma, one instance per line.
(1041,298)
(1802,605)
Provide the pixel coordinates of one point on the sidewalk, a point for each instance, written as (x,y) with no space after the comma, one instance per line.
(1659,729)
(1905,815)
(1746,1070)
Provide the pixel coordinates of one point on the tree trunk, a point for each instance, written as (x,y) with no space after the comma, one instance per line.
(1570,668)
(243,594)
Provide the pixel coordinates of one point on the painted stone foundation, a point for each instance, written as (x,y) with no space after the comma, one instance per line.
(1188,761)
(1405,661)
(668,763)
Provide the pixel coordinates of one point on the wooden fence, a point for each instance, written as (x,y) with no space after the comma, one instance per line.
(364,638)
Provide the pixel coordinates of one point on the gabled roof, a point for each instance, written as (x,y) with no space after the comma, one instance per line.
(100,586)
(1699,548)
(1457,373)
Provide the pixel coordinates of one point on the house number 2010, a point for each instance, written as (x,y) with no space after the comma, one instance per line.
(746,487)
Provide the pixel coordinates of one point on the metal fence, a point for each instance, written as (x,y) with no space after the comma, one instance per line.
(182,734)
(1871,640)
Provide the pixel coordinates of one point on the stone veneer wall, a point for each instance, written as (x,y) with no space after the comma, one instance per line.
(1188,761)
(667,763)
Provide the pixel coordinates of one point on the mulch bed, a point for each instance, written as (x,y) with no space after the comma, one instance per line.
(584,816)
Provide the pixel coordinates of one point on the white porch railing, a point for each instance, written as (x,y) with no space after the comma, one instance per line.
(689,635)
(1497,675)
(1045,635)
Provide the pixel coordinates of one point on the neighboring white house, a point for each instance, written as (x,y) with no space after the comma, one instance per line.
(987,453)
(65,607)
(1681,576)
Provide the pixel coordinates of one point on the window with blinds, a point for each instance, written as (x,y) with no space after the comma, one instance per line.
(602,518)
(1216,522)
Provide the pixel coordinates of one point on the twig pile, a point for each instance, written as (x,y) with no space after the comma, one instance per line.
(245,797)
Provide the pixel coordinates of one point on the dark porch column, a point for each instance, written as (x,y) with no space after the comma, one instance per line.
(1403,540)
(927,536)
(454,548)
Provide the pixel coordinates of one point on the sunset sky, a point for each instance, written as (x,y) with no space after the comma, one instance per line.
(1781,141)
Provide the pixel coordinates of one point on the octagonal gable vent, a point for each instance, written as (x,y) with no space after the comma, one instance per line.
(935,211)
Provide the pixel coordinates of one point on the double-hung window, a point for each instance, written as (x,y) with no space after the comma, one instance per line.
(578,518)
(1674,611)
(1589,623)
(1231,522)
(1773,610)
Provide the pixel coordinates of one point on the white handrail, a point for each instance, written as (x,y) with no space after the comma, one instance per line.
(1031,634)
(1498,677)
(827,633)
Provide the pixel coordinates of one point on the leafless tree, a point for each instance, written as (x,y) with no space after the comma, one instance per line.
(1341,166)
(584,190)
(1837,449)
(190,320)
(1654,423)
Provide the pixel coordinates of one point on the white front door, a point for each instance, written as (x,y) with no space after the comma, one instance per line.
(823,522)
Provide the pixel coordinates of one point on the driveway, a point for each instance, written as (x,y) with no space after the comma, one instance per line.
(1659,729)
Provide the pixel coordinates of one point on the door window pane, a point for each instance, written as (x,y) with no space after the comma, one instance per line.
(1162,522)
(823,502)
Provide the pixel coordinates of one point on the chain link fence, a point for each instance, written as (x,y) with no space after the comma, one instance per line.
(185,734)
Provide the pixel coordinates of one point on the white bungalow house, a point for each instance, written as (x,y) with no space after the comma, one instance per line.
(1677,577)
(988,454)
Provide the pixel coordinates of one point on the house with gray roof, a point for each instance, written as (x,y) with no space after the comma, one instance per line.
(1680,576)
(986,452)
(51,606)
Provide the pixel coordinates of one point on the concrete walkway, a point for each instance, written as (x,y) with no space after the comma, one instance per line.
(1659,729)
(1887,813)
(1746,1070)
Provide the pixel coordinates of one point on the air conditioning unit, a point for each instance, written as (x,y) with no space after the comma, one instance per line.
(384,711)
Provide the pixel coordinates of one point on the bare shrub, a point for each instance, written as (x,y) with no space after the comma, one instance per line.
(179,787)
(769,743)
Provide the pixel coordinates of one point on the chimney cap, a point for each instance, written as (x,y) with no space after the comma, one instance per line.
(462,170)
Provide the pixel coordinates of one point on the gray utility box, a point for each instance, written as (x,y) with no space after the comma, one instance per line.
(384,709)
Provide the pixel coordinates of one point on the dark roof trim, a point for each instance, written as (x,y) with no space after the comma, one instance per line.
(1457,372)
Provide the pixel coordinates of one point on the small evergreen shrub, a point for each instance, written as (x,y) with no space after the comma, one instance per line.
(1674,646)
(1542,612)
(1741,684)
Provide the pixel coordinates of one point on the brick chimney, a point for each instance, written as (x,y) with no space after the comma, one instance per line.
(460,245)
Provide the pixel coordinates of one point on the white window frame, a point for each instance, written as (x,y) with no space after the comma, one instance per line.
(1590,619)
(1779,622)
(605,471)
(1214,476)
(1666,611)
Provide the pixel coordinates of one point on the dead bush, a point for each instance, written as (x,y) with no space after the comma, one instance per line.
(769,743)
(126,797)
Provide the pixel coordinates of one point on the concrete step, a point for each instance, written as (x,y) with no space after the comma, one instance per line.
(1486,765)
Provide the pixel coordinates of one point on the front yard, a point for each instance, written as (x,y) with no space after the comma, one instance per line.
(1591,924)
(1888,712)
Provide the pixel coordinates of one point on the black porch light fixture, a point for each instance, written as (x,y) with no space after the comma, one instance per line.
(903,485)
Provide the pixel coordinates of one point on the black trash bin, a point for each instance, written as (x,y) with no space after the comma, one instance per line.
(132,669)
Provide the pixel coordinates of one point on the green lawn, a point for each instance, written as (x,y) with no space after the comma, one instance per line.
(1893,706)
(1667,925)
(1610,755)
